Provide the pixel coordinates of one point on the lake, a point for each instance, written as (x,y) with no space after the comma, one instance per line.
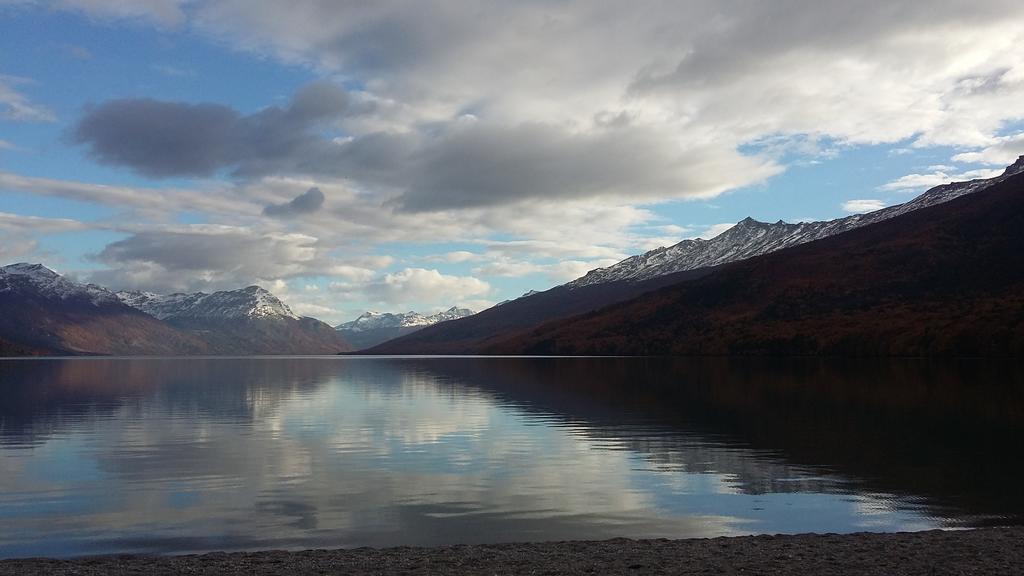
(175,455)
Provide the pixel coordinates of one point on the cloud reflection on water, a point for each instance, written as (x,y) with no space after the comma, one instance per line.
(167,455)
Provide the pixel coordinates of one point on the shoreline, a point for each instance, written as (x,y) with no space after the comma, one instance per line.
(987,551)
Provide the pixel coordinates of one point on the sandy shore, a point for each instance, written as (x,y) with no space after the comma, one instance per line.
(987,551)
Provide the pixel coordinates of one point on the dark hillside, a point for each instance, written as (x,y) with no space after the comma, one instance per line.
(944,280)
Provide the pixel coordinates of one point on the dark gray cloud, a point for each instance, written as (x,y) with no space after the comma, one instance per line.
(161,139)
(169,139)
(306,203)
(446,165)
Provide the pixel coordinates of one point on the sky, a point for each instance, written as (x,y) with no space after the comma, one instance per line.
(396,156)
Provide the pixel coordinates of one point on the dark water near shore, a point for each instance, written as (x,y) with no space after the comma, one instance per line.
(183,455)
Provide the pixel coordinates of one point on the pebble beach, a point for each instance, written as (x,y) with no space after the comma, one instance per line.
(988,551)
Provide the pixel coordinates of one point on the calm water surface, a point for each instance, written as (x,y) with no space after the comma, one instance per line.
(184,455)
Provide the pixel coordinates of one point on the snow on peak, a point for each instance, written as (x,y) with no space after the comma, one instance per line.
(249,302)
(749,237)
(378,320)
(1015,168)
(50,284)
(36,272)
(453,313)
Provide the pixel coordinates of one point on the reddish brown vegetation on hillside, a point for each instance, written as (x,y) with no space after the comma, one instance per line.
(946,280)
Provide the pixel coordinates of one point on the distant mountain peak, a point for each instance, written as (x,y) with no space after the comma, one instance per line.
(371,320)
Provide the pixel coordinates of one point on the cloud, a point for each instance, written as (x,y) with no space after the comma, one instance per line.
(452,165)
(161,203)
(915,182)
(166,139)
(661,113)
(17,107)
(209,257)
(567,270)
(556,272)
(485,165)
(509,268)
(714,230)
(17,231)
(413,285)
(1001,152)
(13,247)
(669,110)
(210,248)
(702,67)
(863,205)
(459,256)
(19,235)
(449,137)
(22,224)
(881,73)
(164,13)
(161,139)
(352,224)
(306,203)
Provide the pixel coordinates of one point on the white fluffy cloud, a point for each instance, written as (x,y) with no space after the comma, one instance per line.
(501,102)
(1001,151)
(917,182)
(714,230)
(863,205)
(865,73)
(420,284)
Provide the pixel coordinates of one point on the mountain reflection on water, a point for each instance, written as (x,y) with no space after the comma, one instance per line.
(180,455)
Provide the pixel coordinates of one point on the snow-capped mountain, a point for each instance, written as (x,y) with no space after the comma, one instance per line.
(42,312)
(245,321)
(250,302)
(378,320)
(374,328)
(453,313)
(750,237)
(49,284)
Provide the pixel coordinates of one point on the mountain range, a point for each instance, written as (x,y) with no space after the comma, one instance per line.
(750,238)
(513,326)
(939,275)
(372,328)
(42,312)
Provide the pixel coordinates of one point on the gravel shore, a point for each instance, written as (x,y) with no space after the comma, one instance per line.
(935,553)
